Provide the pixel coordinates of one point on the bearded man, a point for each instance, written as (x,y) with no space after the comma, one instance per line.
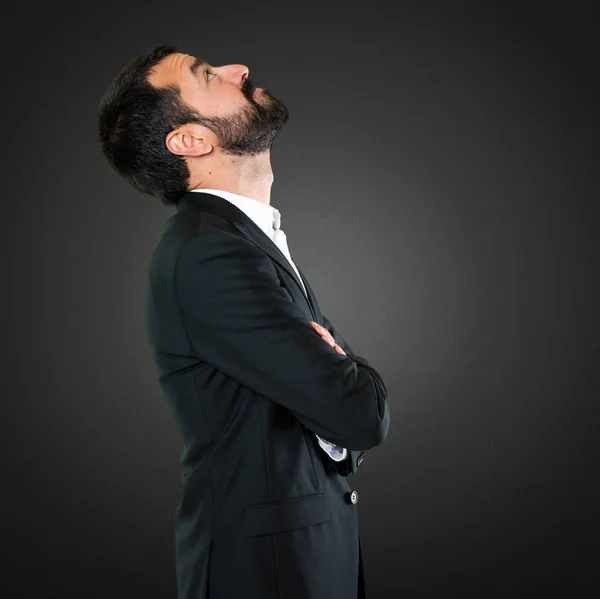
(273,419)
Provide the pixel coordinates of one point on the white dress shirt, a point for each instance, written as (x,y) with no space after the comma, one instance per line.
(268,218)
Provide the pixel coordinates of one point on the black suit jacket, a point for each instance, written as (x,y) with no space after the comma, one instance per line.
(265,513)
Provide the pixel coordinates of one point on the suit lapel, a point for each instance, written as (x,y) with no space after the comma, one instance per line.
(312,300)
(208,202)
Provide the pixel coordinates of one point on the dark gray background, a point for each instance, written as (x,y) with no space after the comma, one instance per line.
(438,182)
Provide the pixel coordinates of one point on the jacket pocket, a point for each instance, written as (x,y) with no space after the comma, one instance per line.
(288,514)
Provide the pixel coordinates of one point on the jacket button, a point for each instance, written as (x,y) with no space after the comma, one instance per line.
(352,497)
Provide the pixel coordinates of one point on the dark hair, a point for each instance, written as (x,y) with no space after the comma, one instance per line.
(134,118)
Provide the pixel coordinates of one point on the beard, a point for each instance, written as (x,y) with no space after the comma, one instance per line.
(252,130)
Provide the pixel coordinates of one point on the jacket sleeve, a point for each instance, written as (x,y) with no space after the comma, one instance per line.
(354,458)
(241,320)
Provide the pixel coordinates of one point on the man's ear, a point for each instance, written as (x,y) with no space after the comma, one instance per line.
(188,140)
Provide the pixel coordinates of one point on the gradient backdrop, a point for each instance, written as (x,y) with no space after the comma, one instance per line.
(438,183)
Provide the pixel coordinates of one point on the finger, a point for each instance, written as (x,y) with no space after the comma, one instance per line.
(321,330)
(328,339)
(319,327)
(325,334)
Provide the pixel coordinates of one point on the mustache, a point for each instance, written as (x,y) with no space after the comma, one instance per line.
(248,87)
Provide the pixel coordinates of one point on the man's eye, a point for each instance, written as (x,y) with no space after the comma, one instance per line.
(209,73)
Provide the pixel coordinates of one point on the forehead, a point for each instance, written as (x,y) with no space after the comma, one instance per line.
(173,68)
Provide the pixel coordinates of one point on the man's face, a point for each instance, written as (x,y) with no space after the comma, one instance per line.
(244,118)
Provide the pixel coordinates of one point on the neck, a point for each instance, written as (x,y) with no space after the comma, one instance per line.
(250,176)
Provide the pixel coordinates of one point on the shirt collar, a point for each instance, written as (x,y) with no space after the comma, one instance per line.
(266,216)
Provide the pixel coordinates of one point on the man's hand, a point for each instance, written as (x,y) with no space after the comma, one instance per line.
(326,336)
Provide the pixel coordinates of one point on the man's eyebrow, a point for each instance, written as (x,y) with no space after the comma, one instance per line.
(198,62)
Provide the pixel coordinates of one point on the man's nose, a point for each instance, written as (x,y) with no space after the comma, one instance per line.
(237,73)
